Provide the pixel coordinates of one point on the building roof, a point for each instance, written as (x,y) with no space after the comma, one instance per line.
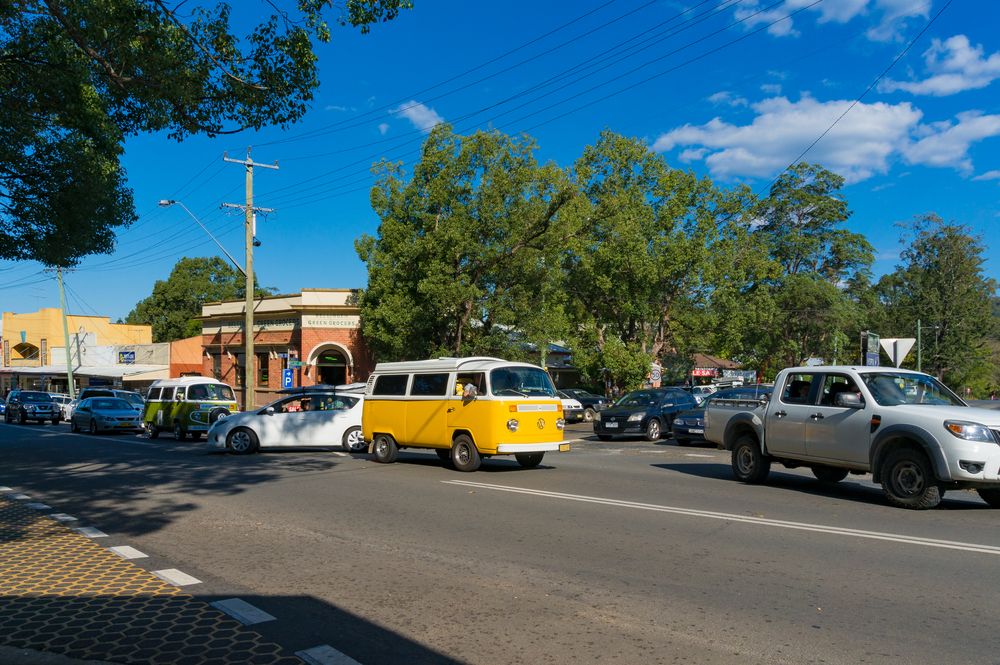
(704,361)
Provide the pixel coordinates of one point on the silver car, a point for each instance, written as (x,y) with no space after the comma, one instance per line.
(97,414)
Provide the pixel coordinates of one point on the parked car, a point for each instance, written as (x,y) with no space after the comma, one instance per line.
(97,414)
(308,417)
(25,405)
(572,408)
(63,401)
(3,407)
(689,426)
(134,399)
(591,403)
(645,412)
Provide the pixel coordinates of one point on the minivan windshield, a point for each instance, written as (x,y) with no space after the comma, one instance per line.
(895,388)
(521,382)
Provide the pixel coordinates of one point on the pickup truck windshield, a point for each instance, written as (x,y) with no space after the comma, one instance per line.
(892,389)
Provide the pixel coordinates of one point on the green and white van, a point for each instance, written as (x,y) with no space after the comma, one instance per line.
(188,405)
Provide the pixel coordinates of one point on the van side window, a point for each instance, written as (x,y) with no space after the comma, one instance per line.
(390,384)
(425,385)
(179,393)
(154,393)
(198,392)
(477,379)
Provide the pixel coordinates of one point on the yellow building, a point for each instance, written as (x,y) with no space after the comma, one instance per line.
(28,339)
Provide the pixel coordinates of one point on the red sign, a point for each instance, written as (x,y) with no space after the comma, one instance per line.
(704,372)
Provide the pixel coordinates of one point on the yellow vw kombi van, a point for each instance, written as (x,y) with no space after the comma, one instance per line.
(465,409)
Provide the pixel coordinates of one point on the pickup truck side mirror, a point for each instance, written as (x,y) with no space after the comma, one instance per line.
(850,400)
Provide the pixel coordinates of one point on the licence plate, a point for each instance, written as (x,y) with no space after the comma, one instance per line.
(564,447)
(696,431)
(611,425)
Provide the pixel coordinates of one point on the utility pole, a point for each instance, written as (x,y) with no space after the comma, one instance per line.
(69,356)
(249,217)
(919,350)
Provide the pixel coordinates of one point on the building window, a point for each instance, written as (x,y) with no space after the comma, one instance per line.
(217,366)
(262,367)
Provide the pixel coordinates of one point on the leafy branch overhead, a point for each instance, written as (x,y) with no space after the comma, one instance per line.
(77,77)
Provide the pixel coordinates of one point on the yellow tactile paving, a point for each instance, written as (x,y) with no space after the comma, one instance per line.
(62,592)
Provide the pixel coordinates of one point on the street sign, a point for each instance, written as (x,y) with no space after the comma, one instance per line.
(871,360)
(295,363)
(897,348)
(287,378)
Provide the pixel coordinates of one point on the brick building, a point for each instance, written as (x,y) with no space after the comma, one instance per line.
(319,328)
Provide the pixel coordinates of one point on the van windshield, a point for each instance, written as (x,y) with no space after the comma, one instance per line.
(521,382)
(210,391)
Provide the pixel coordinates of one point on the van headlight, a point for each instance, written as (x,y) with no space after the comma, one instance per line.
(513,424)
(560,423)
(969,431)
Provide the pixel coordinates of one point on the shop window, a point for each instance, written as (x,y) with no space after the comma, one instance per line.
(262,367)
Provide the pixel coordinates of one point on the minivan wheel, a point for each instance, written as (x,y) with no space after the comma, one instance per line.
(990,495)
(653,430)
(907,480)
(464,454)
(179,432)
(354,440)
(242,441)
(829,474)
(385,449)
(750,465)
(529,460)
(152,431)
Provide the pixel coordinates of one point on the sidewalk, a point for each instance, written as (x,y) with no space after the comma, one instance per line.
(64,595)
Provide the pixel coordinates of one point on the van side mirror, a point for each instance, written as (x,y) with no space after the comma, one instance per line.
(849,400)
(470,392)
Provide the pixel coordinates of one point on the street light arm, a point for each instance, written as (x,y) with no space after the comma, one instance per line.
(165,203)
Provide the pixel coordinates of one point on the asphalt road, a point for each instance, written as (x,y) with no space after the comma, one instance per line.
(621,552)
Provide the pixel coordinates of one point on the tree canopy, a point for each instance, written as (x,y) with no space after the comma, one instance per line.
(173,307)
(77,77)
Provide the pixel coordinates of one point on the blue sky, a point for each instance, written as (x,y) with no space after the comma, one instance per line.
(735,89)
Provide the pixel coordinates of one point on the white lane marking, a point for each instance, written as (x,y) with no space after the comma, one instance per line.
(18,497)
(62,517)
(783,524)
(176,577)
(126,552)
(6,489)
(38,506)
(698,455)
(242,611)
(325,654)
(91,532)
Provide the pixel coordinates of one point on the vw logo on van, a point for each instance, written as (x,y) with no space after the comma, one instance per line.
(541,423)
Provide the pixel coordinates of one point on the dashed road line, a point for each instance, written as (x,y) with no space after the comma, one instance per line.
(699,455)
(6,489)
(127,552)
(176,577)
(731,517)
(325,654)
(38,506)
(242,611)
(91,532)
(62,517)
(18,497)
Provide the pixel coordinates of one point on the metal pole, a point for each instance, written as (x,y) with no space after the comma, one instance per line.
(69,357)
(919,350)
(248,351)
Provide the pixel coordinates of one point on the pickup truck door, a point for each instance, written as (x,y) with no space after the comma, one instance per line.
(836,432)
(787,415)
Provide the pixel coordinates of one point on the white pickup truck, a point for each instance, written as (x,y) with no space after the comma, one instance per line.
(915,436)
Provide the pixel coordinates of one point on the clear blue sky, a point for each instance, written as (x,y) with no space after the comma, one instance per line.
(926,139)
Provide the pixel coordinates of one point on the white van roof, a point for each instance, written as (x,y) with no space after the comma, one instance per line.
(480,363)
(185,381)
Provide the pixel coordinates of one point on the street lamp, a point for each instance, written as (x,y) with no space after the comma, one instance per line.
(166,203)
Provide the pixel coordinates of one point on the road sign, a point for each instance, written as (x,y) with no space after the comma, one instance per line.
(897,348)
(287,378)
(295,363)
(871,360)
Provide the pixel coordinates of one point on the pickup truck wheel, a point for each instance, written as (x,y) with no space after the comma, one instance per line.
(908,482)
(749,464)
(990,495)
(653,430)
(829,474)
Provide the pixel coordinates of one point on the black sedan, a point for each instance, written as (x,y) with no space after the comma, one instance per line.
(689,426)
(591,403)
(646,412)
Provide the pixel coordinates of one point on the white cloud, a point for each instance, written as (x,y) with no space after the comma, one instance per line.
(383,128)
(338,108)
(890,15)
(423,117)
(989,175)
(863,143)
(857,148)
(728,98)
(771,88)
(947,144)
(955,65)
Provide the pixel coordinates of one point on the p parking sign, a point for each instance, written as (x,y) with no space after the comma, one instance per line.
(287,378)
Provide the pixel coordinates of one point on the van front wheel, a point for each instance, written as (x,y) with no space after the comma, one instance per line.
(385,449)
(464,455)
(179,432)
(529,460)
(151,431)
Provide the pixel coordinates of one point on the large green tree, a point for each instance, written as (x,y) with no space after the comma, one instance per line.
(173,307)
(77,77)
(940,281)
(466,259)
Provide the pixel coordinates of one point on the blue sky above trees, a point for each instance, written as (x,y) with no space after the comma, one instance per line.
(731,89)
